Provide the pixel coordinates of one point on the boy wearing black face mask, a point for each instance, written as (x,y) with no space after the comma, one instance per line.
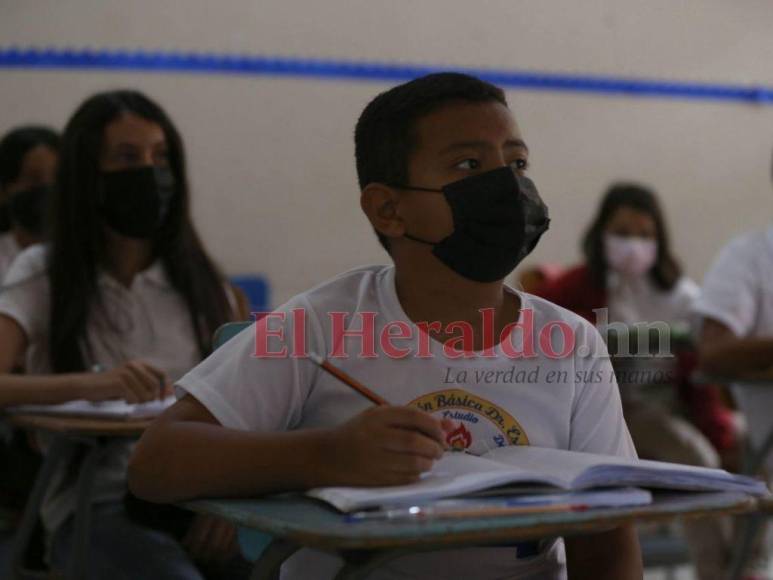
(441,165)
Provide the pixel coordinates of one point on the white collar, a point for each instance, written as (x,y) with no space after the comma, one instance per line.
(155,274)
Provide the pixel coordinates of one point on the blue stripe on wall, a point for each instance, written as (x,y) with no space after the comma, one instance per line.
(204,63)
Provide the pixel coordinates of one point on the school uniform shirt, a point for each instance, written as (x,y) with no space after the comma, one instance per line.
(148,321)
(738,292)
(570,402)
(631,300)
(9,249)
(635,300)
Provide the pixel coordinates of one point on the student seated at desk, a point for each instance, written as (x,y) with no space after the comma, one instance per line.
(28,160)
(441,165)
(737,335)
(630,270)
(737,329)
(122,301)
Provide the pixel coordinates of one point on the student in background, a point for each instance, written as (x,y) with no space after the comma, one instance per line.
(257,424)
(28,160)
(737,333)
(630,270)
(736,308)
(122,301)
(628,266)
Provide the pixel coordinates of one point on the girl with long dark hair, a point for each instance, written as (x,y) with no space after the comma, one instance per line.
(121,302)
(629,266)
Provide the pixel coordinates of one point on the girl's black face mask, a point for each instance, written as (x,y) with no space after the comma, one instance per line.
(27,208)
(498,219)
(135,202)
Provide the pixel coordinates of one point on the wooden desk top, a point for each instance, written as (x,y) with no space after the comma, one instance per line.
(79,425)
(314,524)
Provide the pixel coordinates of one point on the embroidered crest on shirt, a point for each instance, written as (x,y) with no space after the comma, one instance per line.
(483,425)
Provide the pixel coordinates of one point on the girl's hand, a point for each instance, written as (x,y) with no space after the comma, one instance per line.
(133,381)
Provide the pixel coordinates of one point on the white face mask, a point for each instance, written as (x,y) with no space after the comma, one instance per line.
(630,256)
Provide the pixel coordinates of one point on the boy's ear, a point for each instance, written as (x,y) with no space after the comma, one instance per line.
(379,202)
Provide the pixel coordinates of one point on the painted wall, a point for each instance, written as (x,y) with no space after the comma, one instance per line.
(271,159)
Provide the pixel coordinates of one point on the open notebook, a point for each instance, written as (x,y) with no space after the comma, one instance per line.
(118,410)
(459,474)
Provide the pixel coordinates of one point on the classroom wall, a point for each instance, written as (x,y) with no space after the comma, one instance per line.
(271,159)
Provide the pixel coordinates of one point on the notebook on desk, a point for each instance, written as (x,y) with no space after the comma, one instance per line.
(116,410)
(506,469)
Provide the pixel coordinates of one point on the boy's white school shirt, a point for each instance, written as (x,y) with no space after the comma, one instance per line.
(569,403)
(148,321)
(738,292)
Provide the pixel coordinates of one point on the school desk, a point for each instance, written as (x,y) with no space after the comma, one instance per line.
(68,434)
(295,521)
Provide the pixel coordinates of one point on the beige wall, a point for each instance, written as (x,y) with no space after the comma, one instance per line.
(272,159)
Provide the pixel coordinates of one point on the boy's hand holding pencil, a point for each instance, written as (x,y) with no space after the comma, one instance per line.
(385,445)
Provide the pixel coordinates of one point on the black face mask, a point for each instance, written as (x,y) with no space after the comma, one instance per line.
(27,208)
(135,202)
(498,219)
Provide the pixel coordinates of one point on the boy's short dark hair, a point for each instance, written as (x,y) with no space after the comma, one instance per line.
(384,137)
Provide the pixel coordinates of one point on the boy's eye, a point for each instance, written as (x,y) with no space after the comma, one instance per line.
(520,165)
(468,164)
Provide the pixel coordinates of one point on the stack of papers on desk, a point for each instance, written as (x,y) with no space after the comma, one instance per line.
(117,410)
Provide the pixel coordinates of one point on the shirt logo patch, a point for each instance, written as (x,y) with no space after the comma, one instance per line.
(483,425)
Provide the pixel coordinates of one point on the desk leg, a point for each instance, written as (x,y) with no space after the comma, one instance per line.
(270,562)
(757,459)
(750,529)
(752,524)
(59,450)
(78,566)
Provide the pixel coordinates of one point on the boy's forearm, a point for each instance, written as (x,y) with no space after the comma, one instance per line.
(181,460)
